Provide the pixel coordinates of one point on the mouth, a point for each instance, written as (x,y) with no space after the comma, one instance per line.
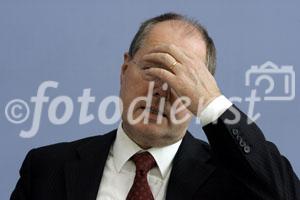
(154,110)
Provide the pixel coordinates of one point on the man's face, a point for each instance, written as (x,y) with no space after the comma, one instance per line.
(135,84)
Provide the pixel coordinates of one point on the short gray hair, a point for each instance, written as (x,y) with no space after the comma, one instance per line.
(146,26)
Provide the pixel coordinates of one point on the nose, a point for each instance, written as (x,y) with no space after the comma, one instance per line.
(161,89)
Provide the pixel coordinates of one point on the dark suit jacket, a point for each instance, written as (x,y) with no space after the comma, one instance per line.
(238,164)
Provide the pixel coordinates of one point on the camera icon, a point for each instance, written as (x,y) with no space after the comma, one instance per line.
(281,80)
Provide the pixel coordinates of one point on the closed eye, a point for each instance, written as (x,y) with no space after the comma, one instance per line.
(148,66)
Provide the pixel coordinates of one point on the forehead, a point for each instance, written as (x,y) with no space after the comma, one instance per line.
(179,33)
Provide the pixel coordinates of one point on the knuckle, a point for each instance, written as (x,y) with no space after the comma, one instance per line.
(172,46)
(169,47)
(161,72)
(164,58)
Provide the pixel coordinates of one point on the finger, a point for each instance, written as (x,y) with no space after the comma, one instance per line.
(203,69)
(162,74)
(165,59)
(171,49)
(173,92)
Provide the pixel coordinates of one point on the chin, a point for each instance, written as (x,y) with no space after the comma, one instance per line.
(152,129)
(152,135)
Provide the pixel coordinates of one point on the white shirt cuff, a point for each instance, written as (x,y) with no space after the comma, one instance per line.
(214,110)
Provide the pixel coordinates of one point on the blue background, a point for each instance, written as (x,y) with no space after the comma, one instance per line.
(80,44)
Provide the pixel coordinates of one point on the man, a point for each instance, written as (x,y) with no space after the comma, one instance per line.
(156,157)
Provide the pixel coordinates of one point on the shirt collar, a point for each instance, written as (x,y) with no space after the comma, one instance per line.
(124,148)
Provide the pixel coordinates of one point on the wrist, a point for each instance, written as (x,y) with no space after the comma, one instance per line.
(214,110)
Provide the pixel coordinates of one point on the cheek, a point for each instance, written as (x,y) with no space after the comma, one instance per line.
(184,114)
(136,87)
(132,87)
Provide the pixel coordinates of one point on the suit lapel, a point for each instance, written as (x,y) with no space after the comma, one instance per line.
(190,169)
(83,176)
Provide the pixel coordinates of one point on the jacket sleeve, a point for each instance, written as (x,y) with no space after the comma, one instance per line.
(22,189)
(241,148)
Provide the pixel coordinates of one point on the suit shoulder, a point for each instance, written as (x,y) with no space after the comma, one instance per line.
(203,144)
(63,146)
(61,152)
(197,144)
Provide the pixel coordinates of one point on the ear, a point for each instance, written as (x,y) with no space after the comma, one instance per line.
(124,67)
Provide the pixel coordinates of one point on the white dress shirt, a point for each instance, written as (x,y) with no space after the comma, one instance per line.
(119,171)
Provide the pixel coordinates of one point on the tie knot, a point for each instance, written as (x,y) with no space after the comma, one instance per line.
(143,161)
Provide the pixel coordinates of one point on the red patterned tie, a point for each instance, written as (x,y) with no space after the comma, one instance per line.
(140,190)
